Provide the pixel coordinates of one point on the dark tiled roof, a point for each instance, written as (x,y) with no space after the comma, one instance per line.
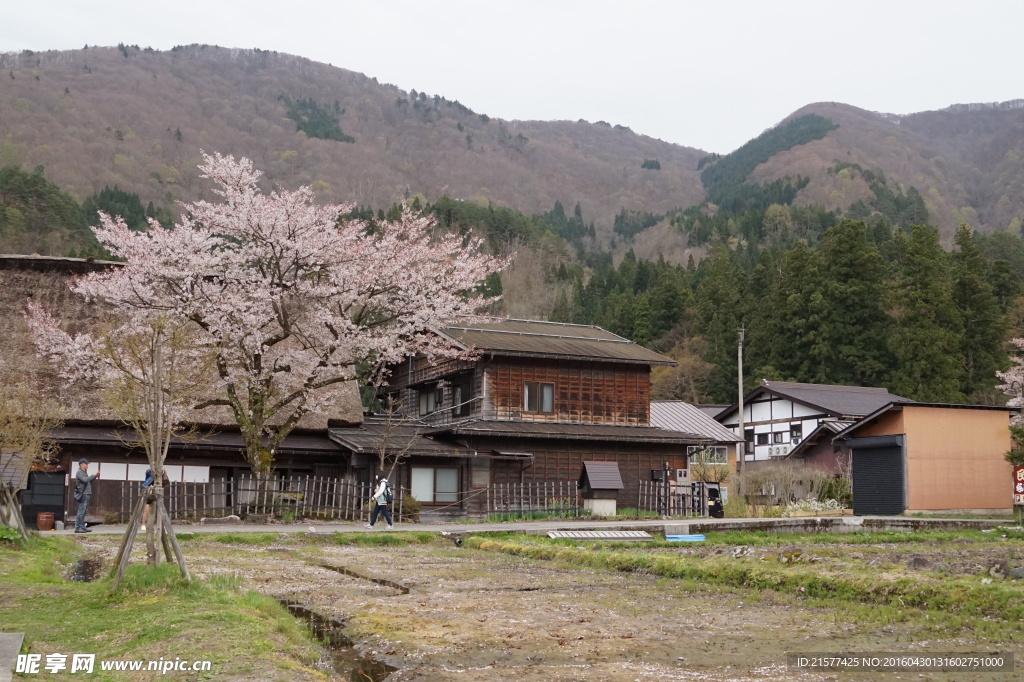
(676,415)
(608,432)
(839,401)
(855,401)
(602,475)
(401,438)
(553,339)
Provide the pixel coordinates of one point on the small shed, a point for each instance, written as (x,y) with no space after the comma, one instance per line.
(599,484)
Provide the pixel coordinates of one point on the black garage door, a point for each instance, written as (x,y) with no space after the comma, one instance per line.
(877,475)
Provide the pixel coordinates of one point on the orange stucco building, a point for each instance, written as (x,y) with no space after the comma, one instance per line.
(930,457)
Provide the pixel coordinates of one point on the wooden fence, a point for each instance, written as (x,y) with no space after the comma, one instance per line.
(295,497)
(682,500)
(545,496)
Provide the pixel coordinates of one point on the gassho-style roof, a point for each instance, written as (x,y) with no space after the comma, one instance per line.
(46,280)
(561,430)
(838,401)
(676,415)
(533,338)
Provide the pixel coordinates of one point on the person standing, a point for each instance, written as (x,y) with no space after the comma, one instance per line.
(165,483)
(83,491)
(381,497)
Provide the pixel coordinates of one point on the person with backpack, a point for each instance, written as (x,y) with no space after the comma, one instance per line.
(382,496)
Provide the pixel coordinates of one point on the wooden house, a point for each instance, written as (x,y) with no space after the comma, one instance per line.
(535,401)
(779,415)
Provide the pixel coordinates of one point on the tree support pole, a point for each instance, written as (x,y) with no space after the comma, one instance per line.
(129,539)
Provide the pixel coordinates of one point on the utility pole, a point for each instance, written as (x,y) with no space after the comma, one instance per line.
(741,449)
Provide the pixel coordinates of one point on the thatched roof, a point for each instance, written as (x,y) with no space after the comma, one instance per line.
(45,280)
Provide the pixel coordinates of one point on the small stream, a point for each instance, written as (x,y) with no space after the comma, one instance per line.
(345,659)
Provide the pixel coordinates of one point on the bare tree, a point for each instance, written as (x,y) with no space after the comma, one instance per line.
(25,418)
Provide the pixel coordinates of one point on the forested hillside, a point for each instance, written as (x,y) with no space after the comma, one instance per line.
(136,119)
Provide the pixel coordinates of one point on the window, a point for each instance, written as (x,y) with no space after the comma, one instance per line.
(762,438)
(780,437)
(797,432)
(748,438)
(707,454)
(462,394)
(435,485)
(431,398)
(538,397)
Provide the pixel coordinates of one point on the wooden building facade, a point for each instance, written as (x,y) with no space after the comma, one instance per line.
(534,402)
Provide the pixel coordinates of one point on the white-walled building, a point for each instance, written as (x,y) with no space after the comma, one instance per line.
(779,414)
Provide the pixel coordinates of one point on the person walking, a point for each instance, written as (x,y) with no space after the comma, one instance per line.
(83,491)
(381,496)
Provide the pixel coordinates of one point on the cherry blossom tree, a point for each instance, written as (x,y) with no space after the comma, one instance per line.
(1013,378)
(288,295)
(1013,386)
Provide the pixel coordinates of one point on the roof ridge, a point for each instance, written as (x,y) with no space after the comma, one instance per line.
(553,336)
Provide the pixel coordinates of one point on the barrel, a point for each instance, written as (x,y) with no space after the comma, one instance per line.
(44,520)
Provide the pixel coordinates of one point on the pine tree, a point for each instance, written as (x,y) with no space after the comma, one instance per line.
(794,306)
(718,321)
(981,347)
(642,325)
(850,344)
(927,330)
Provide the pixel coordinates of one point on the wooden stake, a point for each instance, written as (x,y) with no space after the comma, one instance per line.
(128,541)
(169,529)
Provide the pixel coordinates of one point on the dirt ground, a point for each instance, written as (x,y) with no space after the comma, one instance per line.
(475,615)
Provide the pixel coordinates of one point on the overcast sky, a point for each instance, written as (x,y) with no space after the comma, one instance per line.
(710,74)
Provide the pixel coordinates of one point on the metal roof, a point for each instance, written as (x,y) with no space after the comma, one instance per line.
(676,415)
(560,430)
(403,439)
(554,340)
(839,401)
(711,410)
(898,406)
(602,475)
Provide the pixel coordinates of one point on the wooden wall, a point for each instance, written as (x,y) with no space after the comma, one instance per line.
(555,460)
(585,392)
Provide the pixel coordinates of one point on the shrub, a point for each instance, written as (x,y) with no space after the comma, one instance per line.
(411,509)
(10,536)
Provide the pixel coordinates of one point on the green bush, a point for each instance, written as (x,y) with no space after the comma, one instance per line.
(411,509)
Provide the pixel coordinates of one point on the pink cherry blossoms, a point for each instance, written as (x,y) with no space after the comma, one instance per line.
(286,294)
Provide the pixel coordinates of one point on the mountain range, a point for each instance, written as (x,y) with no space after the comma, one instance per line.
(137,118)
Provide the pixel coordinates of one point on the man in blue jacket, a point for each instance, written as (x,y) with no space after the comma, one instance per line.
(83,491)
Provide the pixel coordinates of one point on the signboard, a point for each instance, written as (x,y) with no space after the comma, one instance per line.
(1018,486)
